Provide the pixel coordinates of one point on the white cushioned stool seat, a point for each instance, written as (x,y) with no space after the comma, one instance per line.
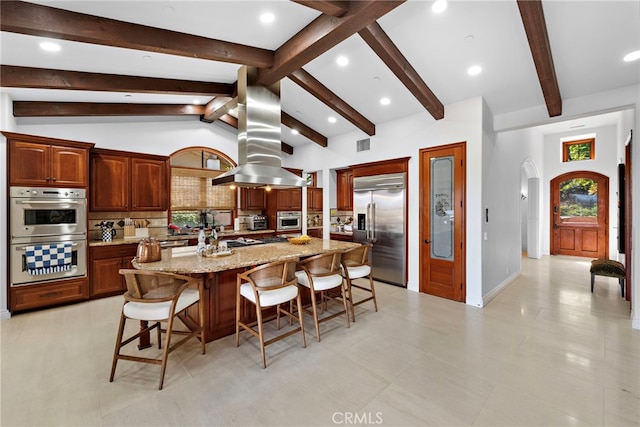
(160,310)
(269,298)
(321,283)
(359,271)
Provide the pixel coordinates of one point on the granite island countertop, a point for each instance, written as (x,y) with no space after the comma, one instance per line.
(170,237)
(185,261)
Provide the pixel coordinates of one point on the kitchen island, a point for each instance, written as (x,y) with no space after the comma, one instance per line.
(219,276)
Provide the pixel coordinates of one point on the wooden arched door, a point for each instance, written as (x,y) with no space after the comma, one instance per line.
(580,215)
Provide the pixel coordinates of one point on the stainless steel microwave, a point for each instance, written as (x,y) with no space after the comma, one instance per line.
(289,220)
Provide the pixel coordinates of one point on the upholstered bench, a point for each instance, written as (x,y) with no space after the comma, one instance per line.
(609,268)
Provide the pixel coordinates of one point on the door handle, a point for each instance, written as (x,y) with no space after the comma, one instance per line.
(427,241)
(555,209)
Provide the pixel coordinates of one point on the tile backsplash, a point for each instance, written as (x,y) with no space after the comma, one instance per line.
(157,222)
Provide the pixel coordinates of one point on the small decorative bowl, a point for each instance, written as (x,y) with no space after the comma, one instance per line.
(300,240)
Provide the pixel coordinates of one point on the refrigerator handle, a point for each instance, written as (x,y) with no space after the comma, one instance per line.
(368,222)
(373,221)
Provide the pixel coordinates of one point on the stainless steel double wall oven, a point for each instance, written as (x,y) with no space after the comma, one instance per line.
(47,217)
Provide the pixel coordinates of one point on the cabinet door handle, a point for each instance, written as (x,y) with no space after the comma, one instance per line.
(53,179)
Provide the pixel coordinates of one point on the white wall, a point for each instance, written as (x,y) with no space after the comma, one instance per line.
(605,163)
(402,138)
(153,135)
(502,249)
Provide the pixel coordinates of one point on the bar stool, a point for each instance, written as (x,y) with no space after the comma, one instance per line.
(265,286)
(321,273)
(355,265)
(159,297)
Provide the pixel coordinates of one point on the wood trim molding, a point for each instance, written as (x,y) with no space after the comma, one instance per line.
(12,136)
(536,29)
(398,165)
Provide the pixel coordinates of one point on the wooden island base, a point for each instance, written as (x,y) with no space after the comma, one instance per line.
(219,276)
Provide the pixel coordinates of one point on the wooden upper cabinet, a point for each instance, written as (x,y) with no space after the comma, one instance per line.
(289,199)
(314,199)
(43,162)
(253,199)
(149,187)
(109,189)
(126,182)
(344,194)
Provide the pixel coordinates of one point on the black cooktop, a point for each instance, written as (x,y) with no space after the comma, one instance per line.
(239,243)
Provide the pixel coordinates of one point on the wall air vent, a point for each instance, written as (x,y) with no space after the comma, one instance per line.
(363,144)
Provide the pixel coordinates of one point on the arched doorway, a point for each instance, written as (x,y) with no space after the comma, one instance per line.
(530,210)
(580,214)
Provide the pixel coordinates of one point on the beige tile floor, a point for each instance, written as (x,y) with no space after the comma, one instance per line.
(544,352)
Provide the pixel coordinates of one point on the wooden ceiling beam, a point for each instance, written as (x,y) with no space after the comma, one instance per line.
(37,20)
(333,101)
(321,35)
(84,109)
(535,27)
(43,78)
(229,119)
(214,110)
(382,45)
(333,8)
(304,130)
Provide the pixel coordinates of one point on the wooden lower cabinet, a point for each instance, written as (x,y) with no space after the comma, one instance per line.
(105,265)
(220,308)
(314,232)
(48,294)
(341,237)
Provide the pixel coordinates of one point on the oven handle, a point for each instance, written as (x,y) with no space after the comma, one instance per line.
(24,248)
(49,202)
(46,235)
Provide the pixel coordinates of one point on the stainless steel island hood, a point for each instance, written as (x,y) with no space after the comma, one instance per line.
(259,137)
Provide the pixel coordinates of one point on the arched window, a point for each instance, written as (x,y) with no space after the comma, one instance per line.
(194,200)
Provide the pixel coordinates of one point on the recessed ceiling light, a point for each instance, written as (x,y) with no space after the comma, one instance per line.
(295,131)
(474,70)
(469,39)
(342,61)
(332,119)
(633,56)
(50,46)
(385,101)
(439,6)
(146,57)
(267,18)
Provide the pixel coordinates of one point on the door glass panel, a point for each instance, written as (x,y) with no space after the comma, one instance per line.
(579,201)
(441,208)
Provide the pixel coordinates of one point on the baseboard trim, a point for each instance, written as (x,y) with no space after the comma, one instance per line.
(496,291)
(5,314)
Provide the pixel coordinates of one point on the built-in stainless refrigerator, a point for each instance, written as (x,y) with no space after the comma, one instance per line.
(379,214)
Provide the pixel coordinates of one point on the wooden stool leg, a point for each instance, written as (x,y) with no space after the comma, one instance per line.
(116,352)
(299,304)
(621,281)
(315,313)
(593,276)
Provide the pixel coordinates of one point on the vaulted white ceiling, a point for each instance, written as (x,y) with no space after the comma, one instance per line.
(588,40)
